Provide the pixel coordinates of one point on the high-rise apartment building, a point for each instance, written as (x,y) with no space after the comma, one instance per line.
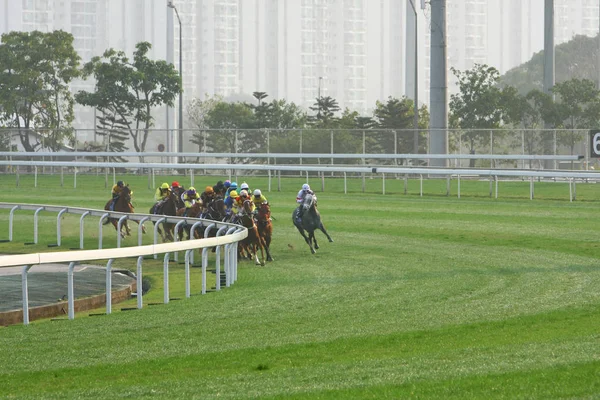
(352,50)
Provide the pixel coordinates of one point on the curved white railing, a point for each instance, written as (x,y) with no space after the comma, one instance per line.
(228,235)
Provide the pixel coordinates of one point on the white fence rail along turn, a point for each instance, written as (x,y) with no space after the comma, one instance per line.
(228,236)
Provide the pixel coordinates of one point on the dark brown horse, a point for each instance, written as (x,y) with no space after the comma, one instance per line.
(167,208)
(265,227)
(253,242)
(123,204)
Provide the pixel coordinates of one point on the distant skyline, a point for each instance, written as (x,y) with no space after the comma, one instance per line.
(235,47)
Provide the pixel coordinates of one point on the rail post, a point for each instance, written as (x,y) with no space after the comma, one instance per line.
(71,290)
(24,271)
(218,260)
(100,226)
(109,286)
(85,214)
(35,224)
(60,214)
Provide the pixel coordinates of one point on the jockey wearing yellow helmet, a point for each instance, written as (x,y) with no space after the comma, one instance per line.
(162,192)
(116,192)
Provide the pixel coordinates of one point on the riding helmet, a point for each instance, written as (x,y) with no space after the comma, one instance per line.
(164,186)
(120,184)
(257,193)
(209,189)
(244,193)
(245,186)
(227,183)
(305,187)
(191,191)
(175,184)
(233,194)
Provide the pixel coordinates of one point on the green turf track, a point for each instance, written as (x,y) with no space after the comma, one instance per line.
(418,297)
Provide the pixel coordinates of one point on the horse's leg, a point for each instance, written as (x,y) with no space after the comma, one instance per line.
(127,230)
(311,240)
(308,240)
(162,236)
(314,239)
(266,239)
(322,228)
(116,225)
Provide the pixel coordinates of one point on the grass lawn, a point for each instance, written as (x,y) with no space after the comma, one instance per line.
(418,297)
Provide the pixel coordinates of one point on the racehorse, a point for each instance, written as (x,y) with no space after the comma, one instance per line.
(215,210)
(265,227)
(311,221)
(193,212)
(123,204)
(168,208)
(253,242)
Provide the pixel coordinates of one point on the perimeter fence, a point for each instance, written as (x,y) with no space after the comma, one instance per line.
(238,143)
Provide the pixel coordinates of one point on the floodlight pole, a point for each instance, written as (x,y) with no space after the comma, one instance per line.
(180,124)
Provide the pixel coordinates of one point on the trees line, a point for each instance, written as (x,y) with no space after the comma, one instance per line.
(37,68)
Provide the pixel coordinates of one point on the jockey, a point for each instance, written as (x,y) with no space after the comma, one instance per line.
(227,183)
(239,202)
(161,195)
(207,197)
(116,192)
(177,188)
(162,192)
(258,198)
(219,189)
(229,202)
(190,197)
(232,186)
(300,198)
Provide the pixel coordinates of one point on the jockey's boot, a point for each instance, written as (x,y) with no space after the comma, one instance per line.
(299,216)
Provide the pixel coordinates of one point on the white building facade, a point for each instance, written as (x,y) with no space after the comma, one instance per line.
(352,50)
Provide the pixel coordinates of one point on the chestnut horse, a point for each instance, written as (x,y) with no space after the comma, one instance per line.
(253,242)
(265,227)
(123,204)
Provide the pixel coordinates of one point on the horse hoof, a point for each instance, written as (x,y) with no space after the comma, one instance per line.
(313,251)
(270,259)
(330,240)
(262,264)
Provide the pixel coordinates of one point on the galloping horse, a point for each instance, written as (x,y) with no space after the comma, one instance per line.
(123,204)
(168,208)
(253,242)
(265,227)
(215,210)
(311,221)
(193,212)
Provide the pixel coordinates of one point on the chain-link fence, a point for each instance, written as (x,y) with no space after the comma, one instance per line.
(309,141)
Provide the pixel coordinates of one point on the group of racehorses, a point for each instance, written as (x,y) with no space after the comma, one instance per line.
(259,224)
